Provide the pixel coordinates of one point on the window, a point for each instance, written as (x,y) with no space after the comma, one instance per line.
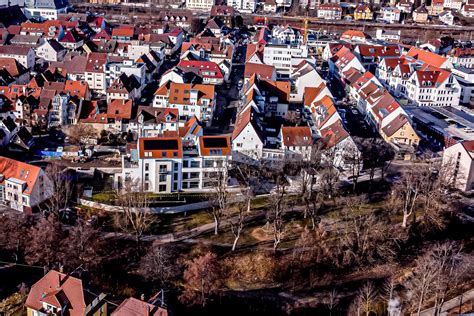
(162,177)
(162,188)
(163,154)
(147,167)
(147,177)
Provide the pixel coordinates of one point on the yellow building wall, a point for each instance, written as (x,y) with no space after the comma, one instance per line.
(405,135)
(29,311)
(102,311)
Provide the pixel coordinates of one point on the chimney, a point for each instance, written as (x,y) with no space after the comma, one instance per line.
(142,297)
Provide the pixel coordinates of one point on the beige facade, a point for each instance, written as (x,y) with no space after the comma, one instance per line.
(460,158)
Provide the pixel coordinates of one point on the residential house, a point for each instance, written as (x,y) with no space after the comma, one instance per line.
(248,136)
(284,56)
(209,71)
(390,14)
(420,14)
(423,57)
(453,4)
(354,36)
(153,122)
(329,11)
(270,6)
(124,88)
(15,70)
(123,33)
(308,4)
(363,12)
(468,10)
(227,13)
(262,71)
(465,77)
(45,9)
(248,6)
(297,142)
(22,186)
(135,307)
(190,100)
(57,293)
(95,71)
(405,6)
(437,7)
(388,35)
(200,4)
(51,50)
(446,17)
(24,55)
(461,57)
(459,158)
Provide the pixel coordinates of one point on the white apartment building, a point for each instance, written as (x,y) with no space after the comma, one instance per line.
(201,5)
(465,77)
(461,57)
(96,71)
(286,35)
(243,5)
(24,55)
(168,164)
(329,11)
(51,50)
(460,159)
(284,57)
(311,4)
(129,67)
(22,186)
(45,9)
(453,4)
(433,88)
(390,14)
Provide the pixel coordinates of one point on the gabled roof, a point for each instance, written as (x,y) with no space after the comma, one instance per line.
(179,93)
(134,307)
(296,136)
(120,109)
(123,31)
(395,125)
(96,62)
(207,69)
(351,34)
(311,93)
(244,118)
(333,134)
(261,70)
(469,147)
(60,290)
(12,66)
(426,57)
(379,51)
(157,115)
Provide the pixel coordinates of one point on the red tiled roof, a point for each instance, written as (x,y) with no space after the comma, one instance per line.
(209,143)
(134,307)
(263,71)
(54,283)
(120,109)
(333,134)
(296,136)
(19,170)
(426,57)
(207,69)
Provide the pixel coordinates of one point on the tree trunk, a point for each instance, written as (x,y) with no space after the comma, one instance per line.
(249,200)
(216,225)
(405,220)
(236,239)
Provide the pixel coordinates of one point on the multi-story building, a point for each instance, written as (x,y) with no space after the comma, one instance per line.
(297,142)
(22,186)
(453,4)
(170,164)
(461,57)
(309,4)
(283,57)
(200,4)
(465,77)
(420,14)
(468,10)
(433,88)
(190,100)
(243,5)
(114,70)
(459,159)
(51,50)
(390,14)
(45,9)
(329,11)
(95,72)
(363,12)
(437,6)
(25,55)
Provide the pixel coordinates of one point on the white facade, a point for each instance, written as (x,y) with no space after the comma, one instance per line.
(459,159)
(465,77)
(426,93)
(282,57)
(44,13)
(243,5)
(48,53)
(27,59)
(199,4)
(390,14)
(128,67)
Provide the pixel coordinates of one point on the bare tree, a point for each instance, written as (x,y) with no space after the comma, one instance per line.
(367,298)
(409,189)
(158,265)
(237,223)
(220,199)
(354,160)
(44,244)
(58,186)
(277,208)
(134,216)
(81,247)
(331,300)
(202,279)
